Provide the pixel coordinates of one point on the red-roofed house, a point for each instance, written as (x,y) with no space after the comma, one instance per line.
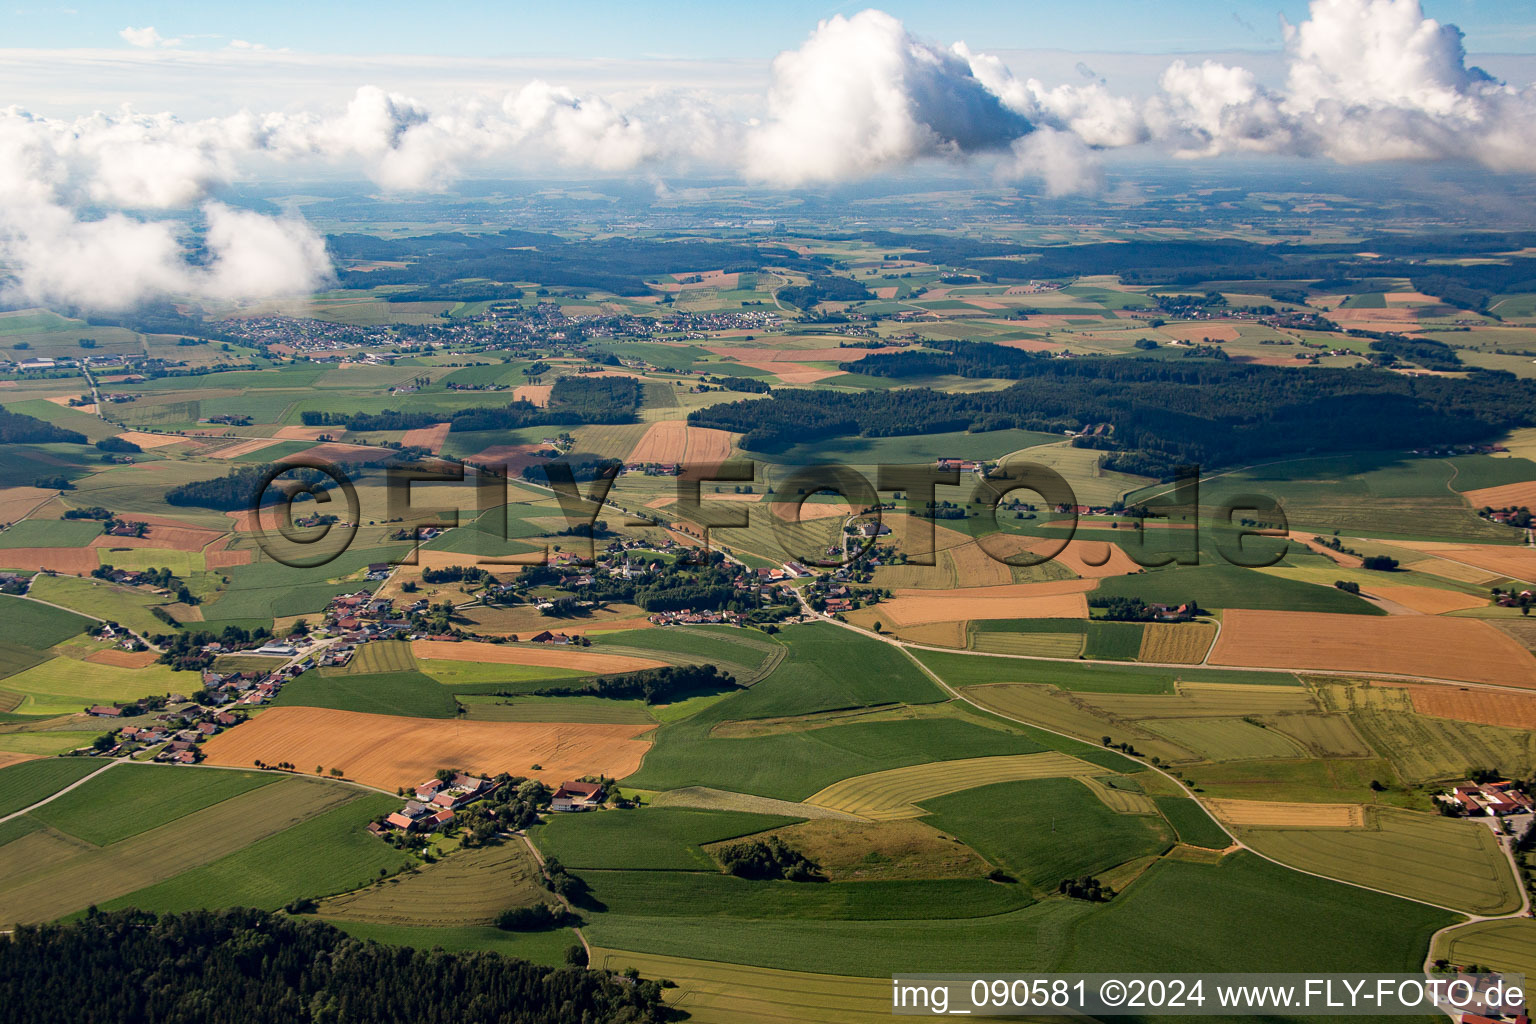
(576,796)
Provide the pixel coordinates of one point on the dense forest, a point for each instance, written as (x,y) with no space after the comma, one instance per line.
(572,400)
(236,490)
(252,967)
(1161,413)
(19,428)
(825,288)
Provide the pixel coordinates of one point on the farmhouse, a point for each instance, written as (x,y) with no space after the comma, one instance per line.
(576,796)
(1491,799)
(105,711)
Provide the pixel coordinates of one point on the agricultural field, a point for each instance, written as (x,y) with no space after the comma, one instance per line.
(469,888)
(1457,864)
(948,752)
(388,751)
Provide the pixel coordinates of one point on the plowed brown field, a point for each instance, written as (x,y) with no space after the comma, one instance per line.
(75,561)
(120,658)
(388,751)
(430,438)
(1442,648)
(1488,707)
(1290,815)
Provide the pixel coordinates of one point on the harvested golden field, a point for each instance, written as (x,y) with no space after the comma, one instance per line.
(675,441)
(1176,643)
(1058,599)
(120,658)
(1432,646)
(895,793)
(74,561)
(1427,600)
(388,751)
(936,634)
(1521,495)
(535,394)
(1486,707)
(544,655)
(149,441)
(911,611)
(1259,813)
(430,438)
(1518,563)
(302,433)
(810,511)
(17,502)
(239,448)
(1458,571)
(975,567)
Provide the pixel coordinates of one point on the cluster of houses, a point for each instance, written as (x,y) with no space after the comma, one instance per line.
(176,732)
(1510,599)
(1487,799)
(435,803)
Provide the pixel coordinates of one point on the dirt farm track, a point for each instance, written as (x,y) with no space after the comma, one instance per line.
(387,751)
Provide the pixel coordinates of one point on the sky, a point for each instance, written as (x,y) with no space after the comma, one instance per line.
(606,29)
(121,124)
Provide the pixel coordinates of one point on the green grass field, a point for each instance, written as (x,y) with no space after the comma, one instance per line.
(975,670)
(412,694)
(62,686)
(47,874)
(652,839)
(1193,825)
(129,606)
(487,708)
(1225,739)
(50,533)
(1229,586)
(539,947)
(829,667)
(22,785)
(132,799)
(328,853)
(793,765)
(1178,916)
(1043,830)
(36,625)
